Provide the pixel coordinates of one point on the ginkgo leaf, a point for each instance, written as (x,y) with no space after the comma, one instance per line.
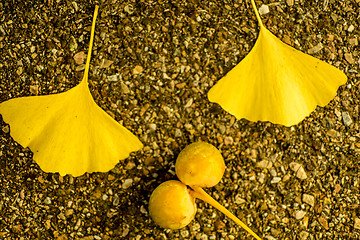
(67,132)
(276,83)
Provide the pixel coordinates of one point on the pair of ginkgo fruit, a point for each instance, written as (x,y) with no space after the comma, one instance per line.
(172,204)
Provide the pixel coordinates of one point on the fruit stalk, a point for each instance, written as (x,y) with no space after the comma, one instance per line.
(198,192)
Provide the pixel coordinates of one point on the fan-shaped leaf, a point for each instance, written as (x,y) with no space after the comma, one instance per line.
(276,83)
(67,132)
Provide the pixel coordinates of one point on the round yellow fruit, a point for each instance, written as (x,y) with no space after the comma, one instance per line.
(171,205)
(200,164)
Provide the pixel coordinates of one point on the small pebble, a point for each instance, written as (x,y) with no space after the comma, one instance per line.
(264,164)
(299,170)
(178,132)
(143,209)
(337,113)
(152,127)
(269,237)
(184,233)
(273,172)
(353,41)
(129,9)
(124,88)
(264,9)
(130,165)
(309,199)
(276,180)
(69,212)
(189,103)
(337,188)
(62,216)
(317,48)
(323,222)
(290,2)
(304,235)
(47,201)
(125,232)
(239,199)
(294,166)
(204,237)
(333,133)
(228,140)
(104,197)
(357,223)
(22,194)
(113,78)
(304,222)
(6,129)
(301,174)
(137,70)
(299,214)
(351,28)
(127,183)
(77,225)
(34,89)
(80,57)
(73,44)
(105,63)
(349,58)
(346,118)
(116,200)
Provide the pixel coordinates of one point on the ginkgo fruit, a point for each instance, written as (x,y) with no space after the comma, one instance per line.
(196,156)
(172,204)
(276,82)
(67,132)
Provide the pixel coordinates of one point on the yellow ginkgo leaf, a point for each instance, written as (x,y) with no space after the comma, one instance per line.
(67,132)
(276,83)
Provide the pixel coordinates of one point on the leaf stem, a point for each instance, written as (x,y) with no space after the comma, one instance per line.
(257,14)
(87,66)
(198,192)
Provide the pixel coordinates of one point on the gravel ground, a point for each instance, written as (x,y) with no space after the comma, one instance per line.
(153,63)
